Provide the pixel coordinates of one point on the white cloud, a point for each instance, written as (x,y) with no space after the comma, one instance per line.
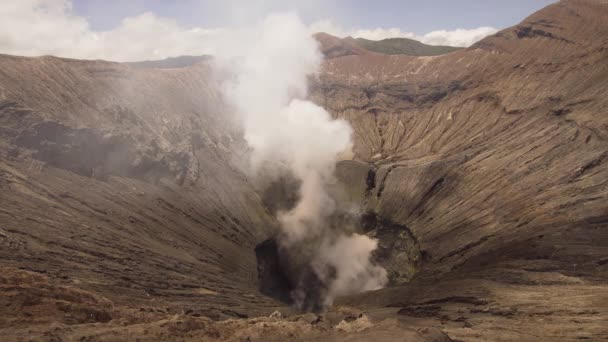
(459,37)
(30,26)
(148,36)
(49,27)
(382,33)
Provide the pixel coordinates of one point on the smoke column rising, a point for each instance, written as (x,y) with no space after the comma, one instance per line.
(267,89)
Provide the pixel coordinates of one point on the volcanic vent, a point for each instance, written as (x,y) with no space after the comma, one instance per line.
(292,273)
(272,279)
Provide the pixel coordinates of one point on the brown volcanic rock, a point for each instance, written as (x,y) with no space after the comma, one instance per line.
(122,182)
(537,110)
(480,149)
(495,158)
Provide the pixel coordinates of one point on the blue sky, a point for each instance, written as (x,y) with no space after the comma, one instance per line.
(414,16)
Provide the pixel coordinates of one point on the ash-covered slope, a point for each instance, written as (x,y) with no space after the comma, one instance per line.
(512,130)
(124,181)
(495,158)
(482,172)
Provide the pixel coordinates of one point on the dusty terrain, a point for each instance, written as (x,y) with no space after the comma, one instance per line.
(124,212)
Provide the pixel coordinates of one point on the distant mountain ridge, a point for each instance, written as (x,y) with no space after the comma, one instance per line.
(332,47)
(389,46)
(171,62)
(403,46)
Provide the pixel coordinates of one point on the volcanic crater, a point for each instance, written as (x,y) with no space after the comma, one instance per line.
(125,212)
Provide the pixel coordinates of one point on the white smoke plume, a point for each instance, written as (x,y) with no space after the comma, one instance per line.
(268,91)
(349,257)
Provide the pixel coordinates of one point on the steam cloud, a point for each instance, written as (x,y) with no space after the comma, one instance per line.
(267,89)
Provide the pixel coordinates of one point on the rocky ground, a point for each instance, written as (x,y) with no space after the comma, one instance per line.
(37,308)
(124,211)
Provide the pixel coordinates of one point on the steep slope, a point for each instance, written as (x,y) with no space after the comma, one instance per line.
(121,180)
(484,169)
(494,157)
